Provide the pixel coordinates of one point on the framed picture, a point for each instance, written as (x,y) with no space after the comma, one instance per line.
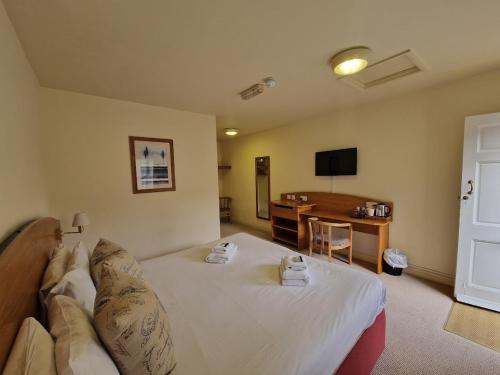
(152,162)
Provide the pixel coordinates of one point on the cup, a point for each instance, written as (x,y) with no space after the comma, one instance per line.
(370,211)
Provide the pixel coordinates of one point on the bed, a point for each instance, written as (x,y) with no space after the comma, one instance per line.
(232,318)
(237,318)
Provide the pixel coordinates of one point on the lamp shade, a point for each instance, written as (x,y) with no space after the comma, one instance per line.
(81,219)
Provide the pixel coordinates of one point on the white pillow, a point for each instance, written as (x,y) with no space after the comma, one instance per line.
(77,282)
(78,350)
(33,351)
(80,257)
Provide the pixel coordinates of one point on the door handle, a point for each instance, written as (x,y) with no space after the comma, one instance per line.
(471,190)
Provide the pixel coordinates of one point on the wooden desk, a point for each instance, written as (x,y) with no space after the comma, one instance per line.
(378,227)
(289,218)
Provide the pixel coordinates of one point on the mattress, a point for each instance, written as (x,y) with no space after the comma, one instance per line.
(236,318)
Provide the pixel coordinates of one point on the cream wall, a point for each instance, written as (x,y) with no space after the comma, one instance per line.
(23,193)
(88,166)
(409,152)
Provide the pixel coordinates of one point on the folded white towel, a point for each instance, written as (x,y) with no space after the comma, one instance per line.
(293,275)
(286,282)
(220,258)
(294,282)
(215,260)
(295,263)
(224,247)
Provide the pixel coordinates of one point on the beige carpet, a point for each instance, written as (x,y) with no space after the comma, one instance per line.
(417,311)
(479,325)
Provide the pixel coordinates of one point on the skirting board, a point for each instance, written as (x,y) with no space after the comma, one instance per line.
(418,271)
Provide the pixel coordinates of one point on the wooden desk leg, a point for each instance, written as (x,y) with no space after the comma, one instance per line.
(383,243)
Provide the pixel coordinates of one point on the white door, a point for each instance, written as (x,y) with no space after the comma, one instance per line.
(478,263)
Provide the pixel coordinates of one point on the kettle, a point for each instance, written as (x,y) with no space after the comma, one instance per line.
(382,210)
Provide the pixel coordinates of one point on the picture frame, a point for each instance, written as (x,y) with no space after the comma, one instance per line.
(152,164)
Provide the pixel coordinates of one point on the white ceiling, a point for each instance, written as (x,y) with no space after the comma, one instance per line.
(196,55)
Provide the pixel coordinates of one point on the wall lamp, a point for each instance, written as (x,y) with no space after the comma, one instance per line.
(80,221)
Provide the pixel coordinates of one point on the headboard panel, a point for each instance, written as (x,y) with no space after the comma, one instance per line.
(342,203)
(22,265)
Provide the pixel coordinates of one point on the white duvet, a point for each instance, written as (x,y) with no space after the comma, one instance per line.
(236,318)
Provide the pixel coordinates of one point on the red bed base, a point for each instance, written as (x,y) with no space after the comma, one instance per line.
(364,355)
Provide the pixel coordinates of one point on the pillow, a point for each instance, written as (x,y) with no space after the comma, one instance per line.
(80,257)
(133,325)
(55,270)
(33,351)
(78,350)
(77,283)
(116,257)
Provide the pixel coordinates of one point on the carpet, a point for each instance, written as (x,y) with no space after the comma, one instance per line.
(475,324)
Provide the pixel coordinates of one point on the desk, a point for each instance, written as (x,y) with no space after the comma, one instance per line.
(289,218)
(378,227)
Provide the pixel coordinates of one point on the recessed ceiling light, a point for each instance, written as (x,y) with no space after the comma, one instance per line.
(350,61)
(231,131)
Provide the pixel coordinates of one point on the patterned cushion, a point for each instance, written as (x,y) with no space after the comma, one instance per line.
(133,324)
(33,351)
(115,256)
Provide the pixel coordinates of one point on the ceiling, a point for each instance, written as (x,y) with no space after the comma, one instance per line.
(196,55)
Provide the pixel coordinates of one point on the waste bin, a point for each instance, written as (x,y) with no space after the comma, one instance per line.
(394,262)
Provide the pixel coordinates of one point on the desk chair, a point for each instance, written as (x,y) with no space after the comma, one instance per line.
(320,234)
(225,208)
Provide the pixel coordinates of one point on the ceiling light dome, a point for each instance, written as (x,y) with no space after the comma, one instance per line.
(231,131)
(350,61)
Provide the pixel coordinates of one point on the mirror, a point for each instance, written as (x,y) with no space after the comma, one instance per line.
(262,187)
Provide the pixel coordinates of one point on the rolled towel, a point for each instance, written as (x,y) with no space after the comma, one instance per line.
(224,247)
(295,263)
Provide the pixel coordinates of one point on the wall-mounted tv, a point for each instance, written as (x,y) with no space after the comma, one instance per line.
(337,162)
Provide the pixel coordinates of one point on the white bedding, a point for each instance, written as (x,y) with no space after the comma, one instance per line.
(236,318)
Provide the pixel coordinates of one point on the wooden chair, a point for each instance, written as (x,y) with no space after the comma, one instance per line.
(321,234)
(225,208)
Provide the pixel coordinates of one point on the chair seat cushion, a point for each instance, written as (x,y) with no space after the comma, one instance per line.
(336,241)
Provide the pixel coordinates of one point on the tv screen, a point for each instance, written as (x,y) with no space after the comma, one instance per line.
(337,162)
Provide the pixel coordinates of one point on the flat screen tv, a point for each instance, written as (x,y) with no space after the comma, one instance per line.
(337,162)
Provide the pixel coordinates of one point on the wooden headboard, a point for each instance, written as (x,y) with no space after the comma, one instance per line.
(22,265)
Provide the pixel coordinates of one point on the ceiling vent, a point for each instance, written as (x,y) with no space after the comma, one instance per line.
(397,66)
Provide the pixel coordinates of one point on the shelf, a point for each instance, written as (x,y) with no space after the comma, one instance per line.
(294,230)
(224,167)
(286,240)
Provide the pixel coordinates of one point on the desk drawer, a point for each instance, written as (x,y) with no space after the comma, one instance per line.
(288,213)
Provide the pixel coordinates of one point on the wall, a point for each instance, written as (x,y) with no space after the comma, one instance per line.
(88,164)
(23,193)
(409,152)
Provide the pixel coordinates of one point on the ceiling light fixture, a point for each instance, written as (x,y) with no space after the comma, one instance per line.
(258,88)
(231,131)
(350,61)
(252,91)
